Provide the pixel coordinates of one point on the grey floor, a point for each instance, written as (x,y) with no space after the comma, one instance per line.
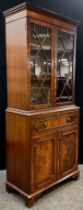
(66,196)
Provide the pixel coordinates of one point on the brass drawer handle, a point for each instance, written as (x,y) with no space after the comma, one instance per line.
(71,119)
(41,125)
(45,124)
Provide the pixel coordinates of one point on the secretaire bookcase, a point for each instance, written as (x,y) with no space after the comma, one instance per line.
(42,121)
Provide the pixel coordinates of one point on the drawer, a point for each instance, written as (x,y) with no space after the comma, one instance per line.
(47,123)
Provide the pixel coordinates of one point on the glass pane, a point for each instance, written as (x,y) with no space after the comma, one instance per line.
(40,63)
(64,67)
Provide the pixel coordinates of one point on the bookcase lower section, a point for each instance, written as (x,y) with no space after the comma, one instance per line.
(42,150)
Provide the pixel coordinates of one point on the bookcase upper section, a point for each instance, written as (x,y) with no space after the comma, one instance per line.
(41,52)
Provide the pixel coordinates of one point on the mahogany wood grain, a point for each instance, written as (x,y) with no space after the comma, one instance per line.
(17,75)
(17,150)
(42,140)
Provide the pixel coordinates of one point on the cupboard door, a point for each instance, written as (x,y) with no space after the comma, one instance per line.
(68,151)
(44,161)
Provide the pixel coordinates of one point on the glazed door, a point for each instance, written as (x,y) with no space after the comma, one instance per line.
(66,48)
(68,150)
(41,64)
(44,161)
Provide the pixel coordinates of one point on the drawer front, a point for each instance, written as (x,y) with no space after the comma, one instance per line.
(47,123)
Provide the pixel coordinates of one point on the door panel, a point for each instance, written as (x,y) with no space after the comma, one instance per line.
(44,153)
(68,151)
(41,36)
